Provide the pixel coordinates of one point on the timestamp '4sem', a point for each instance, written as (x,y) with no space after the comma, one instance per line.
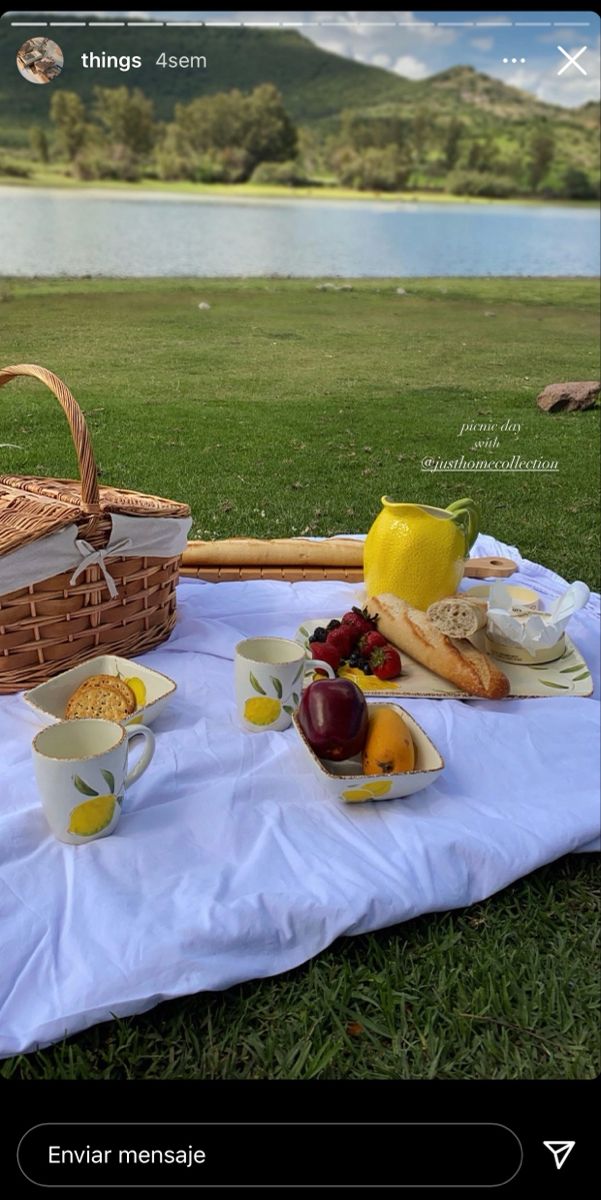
(192,61)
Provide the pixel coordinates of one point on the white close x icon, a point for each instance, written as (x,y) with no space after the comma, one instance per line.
(572,60)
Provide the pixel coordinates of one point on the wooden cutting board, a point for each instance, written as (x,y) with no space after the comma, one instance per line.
(489,568)
(300,558)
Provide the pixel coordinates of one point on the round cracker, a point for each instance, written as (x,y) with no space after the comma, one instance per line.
(100,700)
(112,681)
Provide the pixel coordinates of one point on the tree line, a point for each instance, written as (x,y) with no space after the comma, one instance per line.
(232,137)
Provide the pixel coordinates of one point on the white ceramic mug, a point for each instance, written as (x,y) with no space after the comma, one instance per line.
(268,674)
(80,768)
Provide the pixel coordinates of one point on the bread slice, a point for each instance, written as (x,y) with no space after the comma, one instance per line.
(459,661)
(456,617)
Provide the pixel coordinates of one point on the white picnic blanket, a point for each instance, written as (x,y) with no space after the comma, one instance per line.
(230,864)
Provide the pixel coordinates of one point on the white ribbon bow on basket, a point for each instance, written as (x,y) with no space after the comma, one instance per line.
(96,558)
(132,537)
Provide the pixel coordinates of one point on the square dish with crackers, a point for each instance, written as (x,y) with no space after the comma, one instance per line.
(99,688)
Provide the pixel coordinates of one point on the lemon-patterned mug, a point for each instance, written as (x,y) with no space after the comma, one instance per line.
(269,675)
(80,769)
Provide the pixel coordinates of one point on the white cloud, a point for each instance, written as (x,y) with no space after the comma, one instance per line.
(411,67)
(569,93)
(482,43)
(337,45)
(418,27)
(526,79)
(583,35)
(381,60)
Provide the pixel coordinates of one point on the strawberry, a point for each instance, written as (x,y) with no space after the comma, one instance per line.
(342,638)
(385,662)
(326,652)
(358,620)
(370,640)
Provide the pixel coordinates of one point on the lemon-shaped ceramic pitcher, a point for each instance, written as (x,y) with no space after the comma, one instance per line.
(417,552)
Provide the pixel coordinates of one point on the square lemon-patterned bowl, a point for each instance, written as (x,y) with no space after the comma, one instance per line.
(49,700)
(346,781)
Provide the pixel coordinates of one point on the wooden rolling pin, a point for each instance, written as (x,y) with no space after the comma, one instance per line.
(298,558)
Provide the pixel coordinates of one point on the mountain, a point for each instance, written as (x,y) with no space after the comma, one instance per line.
(464,86)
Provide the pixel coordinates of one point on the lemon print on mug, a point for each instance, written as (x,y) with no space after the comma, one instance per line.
(91,816)
(95,814)
(262,710)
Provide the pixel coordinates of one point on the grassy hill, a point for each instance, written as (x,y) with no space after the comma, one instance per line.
(466,88)
(317,86)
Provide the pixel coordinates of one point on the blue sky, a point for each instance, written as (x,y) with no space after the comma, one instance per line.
(418,44)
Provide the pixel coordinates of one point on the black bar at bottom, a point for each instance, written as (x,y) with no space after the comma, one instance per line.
(217,1154)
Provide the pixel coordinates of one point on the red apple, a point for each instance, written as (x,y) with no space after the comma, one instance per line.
(333,717)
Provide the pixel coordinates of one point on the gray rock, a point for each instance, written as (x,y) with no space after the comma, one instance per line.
(569,397)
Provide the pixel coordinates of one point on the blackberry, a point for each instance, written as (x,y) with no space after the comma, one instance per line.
(367,670)
(353,660)
(334,624)
(320,634)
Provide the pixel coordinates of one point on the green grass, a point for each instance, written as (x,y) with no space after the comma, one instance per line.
(58,175)
(285,409)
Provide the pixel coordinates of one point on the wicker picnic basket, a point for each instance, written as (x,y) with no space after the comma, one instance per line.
(48,626)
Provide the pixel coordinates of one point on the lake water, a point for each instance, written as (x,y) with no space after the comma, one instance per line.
(56,232)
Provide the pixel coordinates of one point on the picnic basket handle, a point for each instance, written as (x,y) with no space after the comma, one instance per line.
(79,430)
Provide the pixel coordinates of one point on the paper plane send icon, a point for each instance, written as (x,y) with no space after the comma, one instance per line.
(560,1151)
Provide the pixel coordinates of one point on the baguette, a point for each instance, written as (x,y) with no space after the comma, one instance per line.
(276,552)
(459,661)
(457,617)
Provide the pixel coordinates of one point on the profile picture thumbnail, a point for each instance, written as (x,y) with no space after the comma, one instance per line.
(40,60)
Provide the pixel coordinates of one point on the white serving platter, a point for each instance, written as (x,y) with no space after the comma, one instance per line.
(567,676)
(49,700)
